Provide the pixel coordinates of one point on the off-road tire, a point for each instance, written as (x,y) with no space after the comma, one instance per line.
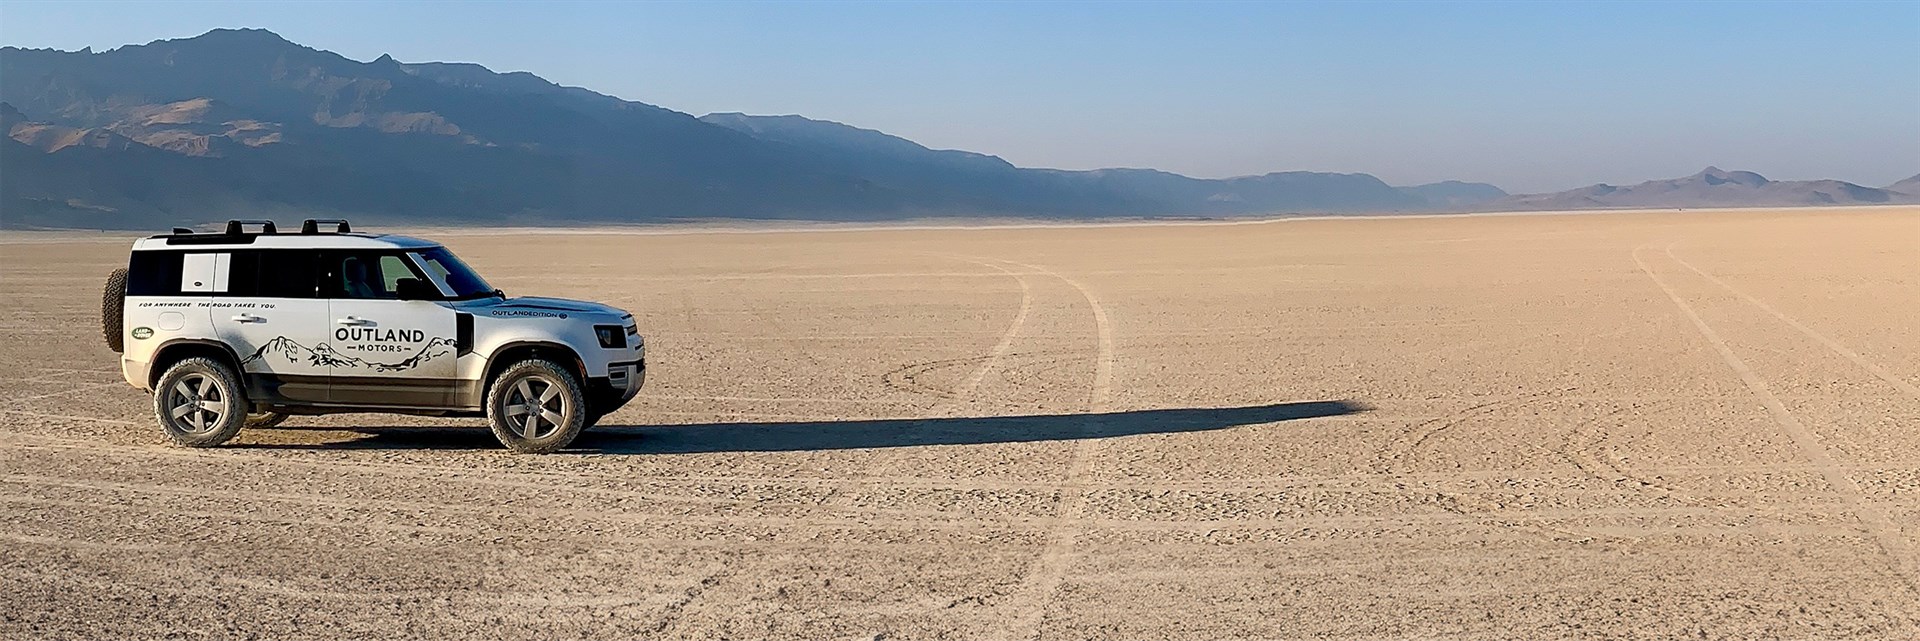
(523,387)
(220,412)
(262,420)
(113,303)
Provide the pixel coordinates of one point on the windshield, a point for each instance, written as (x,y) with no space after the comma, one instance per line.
(452,275)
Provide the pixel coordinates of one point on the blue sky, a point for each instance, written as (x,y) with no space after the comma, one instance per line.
(1529,96)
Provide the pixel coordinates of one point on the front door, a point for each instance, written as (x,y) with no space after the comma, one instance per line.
(386,351)
(267,307)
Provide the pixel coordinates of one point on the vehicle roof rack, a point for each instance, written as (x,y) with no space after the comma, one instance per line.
(312,225)
(234,227)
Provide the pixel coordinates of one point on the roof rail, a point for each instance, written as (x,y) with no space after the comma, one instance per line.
(234,226)
(182,231)
(312,225)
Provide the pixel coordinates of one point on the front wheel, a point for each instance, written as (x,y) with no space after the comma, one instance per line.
(536,407)
(199,403)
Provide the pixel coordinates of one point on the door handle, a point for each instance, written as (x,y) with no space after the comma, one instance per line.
(248,318)
(351,320)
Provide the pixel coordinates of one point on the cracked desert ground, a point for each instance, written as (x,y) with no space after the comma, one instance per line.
(1597,426)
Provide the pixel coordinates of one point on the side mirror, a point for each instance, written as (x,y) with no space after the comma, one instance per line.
(415,289)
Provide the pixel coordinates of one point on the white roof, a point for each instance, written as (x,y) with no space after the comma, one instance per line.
(282,241)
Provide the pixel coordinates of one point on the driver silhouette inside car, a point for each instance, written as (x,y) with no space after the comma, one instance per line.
(358,281)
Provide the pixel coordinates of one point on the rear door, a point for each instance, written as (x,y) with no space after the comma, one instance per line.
(266,306)
(390,352)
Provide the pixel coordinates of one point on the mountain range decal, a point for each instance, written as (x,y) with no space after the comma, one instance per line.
(324,355)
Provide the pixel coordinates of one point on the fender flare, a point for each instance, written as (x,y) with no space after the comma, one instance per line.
(572,361)
(160,356)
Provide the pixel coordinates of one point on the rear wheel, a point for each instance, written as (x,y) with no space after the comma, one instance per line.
(536,407)
(199,403)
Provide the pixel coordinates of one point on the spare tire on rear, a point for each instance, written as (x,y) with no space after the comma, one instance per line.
(113,302)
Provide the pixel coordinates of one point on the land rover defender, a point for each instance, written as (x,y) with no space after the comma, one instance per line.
(240,328)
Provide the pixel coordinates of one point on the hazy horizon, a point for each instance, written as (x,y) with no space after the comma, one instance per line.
(1530,98)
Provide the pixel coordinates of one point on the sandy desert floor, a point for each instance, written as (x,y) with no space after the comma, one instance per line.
(1700,425)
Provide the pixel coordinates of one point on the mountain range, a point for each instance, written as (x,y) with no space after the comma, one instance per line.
(1713,187)
(243,123)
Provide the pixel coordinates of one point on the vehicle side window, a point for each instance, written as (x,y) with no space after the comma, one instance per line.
(287,273)
(392,269)
(154,273)
(366,275)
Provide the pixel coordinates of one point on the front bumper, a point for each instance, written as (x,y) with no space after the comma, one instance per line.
(622,382)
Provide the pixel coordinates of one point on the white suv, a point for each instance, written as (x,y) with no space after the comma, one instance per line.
(241,329)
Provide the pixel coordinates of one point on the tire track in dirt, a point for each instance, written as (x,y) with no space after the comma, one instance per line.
(1409,442)
(1883,530)
(319,500)
(57,373)
(1891,379)
(906,379)
(960,527)
(1005,346)
(177,496)
(1032,598)
(1583,449)
(672,619)
(225,586)
(70,390)
(71,417)
(1585,436)
(912,520)
(534,478)
(175,511)
(1026,370)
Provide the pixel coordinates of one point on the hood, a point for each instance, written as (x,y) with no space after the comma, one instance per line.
(542,304)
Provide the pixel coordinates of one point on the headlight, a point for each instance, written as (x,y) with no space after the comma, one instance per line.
(611,336)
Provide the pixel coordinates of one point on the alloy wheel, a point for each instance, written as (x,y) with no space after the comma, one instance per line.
(196,404)
(535,408)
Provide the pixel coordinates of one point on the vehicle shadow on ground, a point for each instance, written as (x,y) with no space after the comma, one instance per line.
(854,434)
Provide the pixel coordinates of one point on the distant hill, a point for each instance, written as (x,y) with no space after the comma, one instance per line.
(1910,186)
(243,123)
(1453,194)
(1712,187)
(983,181)
(943,181)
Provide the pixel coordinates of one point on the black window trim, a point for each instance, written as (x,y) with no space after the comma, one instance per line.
(313,255)
(324,272)
(138,276)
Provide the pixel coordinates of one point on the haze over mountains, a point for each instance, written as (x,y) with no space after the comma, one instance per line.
(1714,187)
(242,123)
